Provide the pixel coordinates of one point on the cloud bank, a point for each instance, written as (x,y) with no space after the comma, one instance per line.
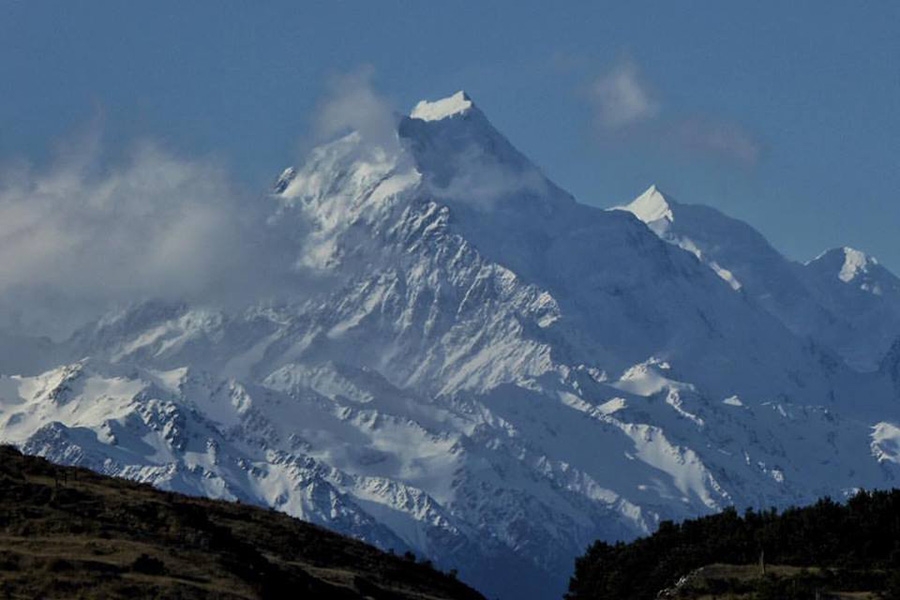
(80,235)
(84,234)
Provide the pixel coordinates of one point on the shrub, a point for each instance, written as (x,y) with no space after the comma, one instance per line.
(148,565)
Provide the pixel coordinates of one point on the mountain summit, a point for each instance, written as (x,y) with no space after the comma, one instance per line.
(651,206)
(457,104)
(478,368)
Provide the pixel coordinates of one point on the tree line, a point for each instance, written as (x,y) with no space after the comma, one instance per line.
(858,542)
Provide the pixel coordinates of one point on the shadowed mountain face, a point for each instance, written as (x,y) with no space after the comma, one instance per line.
(70,533)
(476,367)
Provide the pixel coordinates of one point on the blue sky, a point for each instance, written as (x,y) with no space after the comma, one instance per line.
(786,115)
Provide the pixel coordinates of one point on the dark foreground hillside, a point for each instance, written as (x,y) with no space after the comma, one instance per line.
(71,533)
(824,551)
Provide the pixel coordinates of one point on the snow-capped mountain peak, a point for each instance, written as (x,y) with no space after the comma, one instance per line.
(451,106)
(861,292)
(843,299)
(651,206)
(481,370)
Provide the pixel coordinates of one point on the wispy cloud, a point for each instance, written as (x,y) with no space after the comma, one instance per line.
(82,234)
(478,180)
(620,98)
(623,101)
(718,138)
(351,103)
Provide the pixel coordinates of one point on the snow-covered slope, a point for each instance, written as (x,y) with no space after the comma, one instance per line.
(484,371)
(862,293)
(844,300)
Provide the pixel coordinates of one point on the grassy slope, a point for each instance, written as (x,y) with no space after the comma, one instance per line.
(71,533)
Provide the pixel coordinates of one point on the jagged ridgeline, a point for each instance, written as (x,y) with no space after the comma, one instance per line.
(71,533)
(473,366)
(827,550)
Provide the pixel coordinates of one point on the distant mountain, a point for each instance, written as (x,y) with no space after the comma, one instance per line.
(478,368)
(69,533)
(843,299)
(855,288)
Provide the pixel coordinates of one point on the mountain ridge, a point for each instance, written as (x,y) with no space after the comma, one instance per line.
(809,298)
(480,369)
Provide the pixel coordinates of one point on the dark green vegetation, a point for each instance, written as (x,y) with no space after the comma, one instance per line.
(847,550)
(71,533)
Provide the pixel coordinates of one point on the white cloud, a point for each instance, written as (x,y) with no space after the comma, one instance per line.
(621,98)
(79,235)
(352,104)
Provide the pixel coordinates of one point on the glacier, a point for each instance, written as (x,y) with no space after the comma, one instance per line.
(480,369)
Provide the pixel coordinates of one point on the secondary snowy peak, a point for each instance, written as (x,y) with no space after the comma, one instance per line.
(651,206)
(854,272)
(844,300)
(849,264)
(451,106)
(692,232)
(861,293)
